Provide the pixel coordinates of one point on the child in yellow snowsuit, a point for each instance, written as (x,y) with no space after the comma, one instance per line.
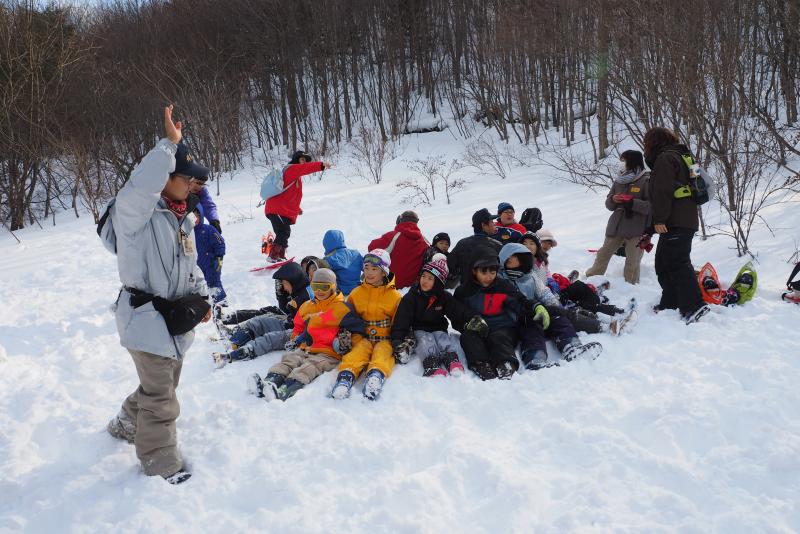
(375,301)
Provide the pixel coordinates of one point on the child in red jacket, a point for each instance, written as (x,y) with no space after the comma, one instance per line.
(282,210)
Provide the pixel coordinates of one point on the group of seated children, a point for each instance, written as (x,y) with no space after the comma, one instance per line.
(325,321)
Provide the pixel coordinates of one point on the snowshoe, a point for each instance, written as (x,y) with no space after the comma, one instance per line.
(626,320)
(697,314)
(792,296)
(178,477)
(745,283)
(710,287)
(432,366)
(505,371)
(121,427)
(484,370)
(344,383)
(575,350)
(453,365)
(288,389)
(373,384)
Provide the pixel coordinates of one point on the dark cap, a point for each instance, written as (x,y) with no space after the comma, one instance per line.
(407,216)
(441,236)
(300,154)
(482,216)
(185,164)
(487,261)
(503,206)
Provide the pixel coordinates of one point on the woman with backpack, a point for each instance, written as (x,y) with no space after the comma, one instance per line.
(283,209)
(629,203)
(675,220)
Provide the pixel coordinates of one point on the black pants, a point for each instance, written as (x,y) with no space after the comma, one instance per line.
(679,288)
(496,348)
(282,228)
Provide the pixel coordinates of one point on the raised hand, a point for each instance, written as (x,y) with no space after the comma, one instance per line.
(172,129)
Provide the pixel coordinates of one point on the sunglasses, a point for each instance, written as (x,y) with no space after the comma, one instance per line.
(321,286)
(485,270)
(373,260)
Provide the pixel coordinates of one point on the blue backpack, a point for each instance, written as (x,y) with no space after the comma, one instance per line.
(272,185)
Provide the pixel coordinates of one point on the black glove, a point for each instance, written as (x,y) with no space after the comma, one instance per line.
(477,325)
(291,345)
(215,224)
(404,348)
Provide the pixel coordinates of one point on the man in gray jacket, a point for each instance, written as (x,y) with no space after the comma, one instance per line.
(150,228)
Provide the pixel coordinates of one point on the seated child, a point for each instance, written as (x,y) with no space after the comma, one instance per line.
(343,261)
(312,349)
(375,301)
(311,264)
(489,340)
(210,250)
(518,266)
(420,326)
(267,329)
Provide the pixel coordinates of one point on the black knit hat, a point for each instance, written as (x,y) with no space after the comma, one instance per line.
(441,236)
(300,154)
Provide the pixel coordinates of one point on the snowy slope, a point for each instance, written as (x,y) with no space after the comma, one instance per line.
(673,428)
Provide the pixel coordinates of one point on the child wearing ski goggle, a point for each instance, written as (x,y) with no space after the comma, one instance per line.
(322,287)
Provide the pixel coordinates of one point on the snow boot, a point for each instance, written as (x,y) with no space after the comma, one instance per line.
(122,427)
(344,383)
(223,358)
(575,349)
(505,371)
(267,387)
(484,370)
(178,477)
(453,365)
(373,384)
(277,253)
(533,360)
(432,366)
(697,314)
(240,337)
(288,389)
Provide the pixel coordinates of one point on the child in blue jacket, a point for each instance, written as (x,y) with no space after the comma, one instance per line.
(343,261)
(210,250)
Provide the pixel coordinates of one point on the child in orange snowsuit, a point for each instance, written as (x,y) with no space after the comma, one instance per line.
(375,301)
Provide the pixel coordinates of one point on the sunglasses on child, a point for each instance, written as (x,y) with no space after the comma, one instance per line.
(485,270)
(373,260)
(321,286)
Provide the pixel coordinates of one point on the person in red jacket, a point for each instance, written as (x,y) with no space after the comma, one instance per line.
(282,210)
(406,246)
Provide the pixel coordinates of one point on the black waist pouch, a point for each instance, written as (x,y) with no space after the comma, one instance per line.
(180,315)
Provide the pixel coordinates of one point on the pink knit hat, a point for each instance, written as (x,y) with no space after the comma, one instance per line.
(437,266)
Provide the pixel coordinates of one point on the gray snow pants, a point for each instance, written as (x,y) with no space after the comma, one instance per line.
(153,408)
(435,344)
(304,366)
(270,334)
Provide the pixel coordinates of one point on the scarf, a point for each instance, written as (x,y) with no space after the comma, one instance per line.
(177,208)
(628,177)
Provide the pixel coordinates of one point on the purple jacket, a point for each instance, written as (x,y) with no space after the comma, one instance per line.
(209,207)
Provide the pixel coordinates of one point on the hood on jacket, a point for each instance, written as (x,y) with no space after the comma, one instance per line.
(199,208)
(294,274)
(332,240)
(509,249)
(409,229)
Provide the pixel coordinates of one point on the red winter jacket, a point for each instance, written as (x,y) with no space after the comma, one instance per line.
(287,204)
(406,254)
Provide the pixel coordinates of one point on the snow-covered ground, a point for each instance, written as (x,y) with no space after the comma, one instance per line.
(673,428)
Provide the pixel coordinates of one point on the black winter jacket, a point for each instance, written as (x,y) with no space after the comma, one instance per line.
(428,312)
(501,304)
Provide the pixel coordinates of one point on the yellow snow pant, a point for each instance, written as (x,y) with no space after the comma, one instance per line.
(369,354)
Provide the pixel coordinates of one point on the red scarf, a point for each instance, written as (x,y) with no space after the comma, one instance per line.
(178,208)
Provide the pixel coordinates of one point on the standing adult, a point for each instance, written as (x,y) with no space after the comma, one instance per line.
(282,210)
(198,187)
(157,265)
(406,246)
(630,207)
(676,221)
(461,258)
